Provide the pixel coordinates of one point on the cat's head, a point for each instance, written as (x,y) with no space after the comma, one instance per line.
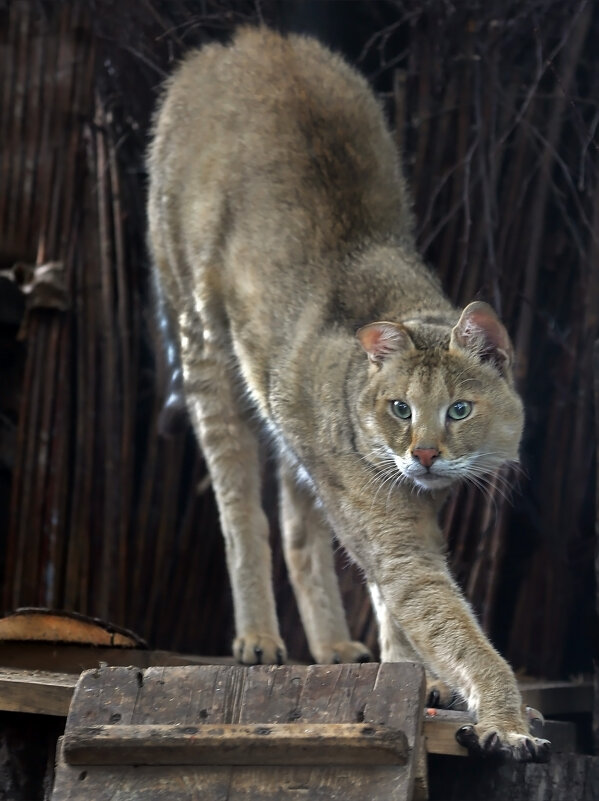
(439,405)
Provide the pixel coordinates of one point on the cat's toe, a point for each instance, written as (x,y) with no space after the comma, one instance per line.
(492,742)
(341,652)
(253,648)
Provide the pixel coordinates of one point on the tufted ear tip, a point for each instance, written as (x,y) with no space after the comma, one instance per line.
(381,339)
(480,331)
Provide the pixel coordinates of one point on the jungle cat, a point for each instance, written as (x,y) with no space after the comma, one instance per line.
(281,233)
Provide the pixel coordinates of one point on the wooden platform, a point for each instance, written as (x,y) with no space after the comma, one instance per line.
(44,696)
(321,732)
(50,693)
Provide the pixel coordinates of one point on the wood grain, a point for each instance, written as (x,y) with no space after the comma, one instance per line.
(236,744)
(123,704)
(36,691)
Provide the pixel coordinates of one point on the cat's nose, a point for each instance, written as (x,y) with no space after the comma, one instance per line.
(426,456)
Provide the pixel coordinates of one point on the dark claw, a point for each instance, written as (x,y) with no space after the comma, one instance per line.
(530,751)
(336,660)
(258,652)
(280,657)
(434,698)
(492,744)
(467,737)
(543,752)
(364,658)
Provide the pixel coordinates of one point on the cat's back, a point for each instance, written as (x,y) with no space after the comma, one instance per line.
(284,132)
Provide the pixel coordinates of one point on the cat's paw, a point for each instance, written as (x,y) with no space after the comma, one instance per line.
(253,648)
(439,694)
(490,740)
(335,653)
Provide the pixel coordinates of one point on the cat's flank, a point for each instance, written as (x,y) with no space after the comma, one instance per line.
(281,232)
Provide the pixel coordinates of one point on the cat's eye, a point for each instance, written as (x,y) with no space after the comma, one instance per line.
(401,410)
(459,410)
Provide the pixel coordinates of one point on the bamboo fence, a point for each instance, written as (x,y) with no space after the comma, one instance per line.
(496,111)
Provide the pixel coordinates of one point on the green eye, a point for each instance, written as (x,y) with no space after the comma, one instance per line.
(401,410)
(459,410)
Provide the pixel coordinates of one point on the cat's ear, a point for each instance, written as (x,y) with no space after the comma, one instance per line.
(380,340)
(480,330)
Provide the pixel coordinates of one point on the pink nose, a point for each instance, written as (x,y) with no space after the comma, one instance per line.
(426,456)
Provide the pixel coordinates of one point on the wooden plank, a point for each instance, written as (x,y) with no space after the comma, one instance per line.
(174,783)
(23,659)
(50,693)
(74,658)
(48,625)
(217,695)
(333,692)
(399,695)
(440,726)
(36,691)
(236,744)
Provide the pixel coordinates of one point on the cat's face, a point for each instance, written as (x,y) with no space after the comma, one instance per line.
(439,418)
(439,415)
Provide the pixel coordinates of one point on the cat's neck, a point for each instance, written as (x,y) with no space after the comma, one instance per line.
(389,281)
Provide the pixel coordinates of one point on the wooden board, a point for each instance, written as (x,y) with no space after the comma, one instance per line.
(50,625)
(387,696)
(50,693)
(75,658)
(236,744)
(36,691)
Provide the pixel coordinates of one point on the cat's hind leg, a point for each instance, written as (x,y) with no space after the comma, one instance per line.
(307,545)
(231,451)
(395,647)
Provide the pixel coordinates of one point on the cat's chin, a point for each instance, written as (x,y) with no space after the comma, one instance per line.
(430,481)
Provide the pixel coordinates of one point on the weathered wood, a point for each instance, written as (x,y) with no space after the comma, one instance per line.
(366,696)
(236,744)
(36,691)
(18,660)
(242,783)
(48,625)
(392,698)
(50,693)
(75,658)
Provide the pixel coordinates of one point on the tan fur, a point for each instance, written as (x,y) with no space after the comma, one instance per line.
(280,227)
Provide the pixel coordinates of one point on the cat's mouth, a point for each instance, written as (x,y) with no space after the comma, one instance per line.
(426,478)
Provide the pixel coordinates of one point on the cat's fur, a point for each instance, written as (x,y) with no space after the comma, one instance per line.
(281,232)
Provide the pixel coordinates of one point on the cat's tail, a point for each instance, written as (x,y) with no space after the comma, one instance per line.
(172,418)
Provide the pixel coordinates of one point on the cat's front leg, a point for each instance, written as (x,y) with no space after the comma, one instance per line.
(395,647)
(425,601)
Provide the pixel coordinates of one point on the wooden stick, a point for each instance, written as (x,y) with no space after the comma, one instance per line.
(236,744)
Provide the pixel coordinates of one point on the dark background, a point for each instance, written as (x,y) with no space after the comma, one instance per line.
(495,108)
